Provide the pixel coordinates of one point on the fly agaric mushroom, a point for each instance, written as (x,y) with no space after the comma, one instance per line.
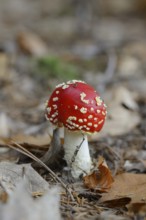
(79,108)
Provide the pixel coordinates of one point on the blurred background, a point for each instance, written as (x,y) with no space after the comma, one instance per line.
(44,42)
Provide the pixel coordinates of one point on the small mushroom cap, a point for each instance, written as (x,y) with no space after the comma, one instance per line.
(77,106)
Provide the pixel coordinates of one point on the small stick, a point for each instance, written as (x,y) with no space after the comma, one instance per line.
(77,150)
(32,156)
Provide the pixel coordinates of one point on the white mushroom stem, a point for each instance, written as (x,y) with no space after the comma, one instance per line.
(81,164)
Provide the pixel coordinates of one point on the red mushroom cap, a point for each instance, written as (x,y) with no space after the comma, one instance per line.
(77,106)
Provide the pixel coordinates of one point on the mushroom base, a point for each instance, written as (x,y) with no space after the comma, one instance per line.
(79,161)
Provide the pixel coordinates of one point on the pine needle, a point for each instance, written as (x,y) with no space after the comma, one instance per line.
(24,151)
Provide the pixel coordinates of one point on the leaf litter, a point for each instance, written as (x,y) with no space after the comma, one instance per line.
(122,84)
(130,185)
(100,179)
(11,174)
(94,199)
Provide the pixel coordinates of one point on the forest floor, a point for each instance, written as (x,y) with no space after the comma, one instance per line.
(34,57)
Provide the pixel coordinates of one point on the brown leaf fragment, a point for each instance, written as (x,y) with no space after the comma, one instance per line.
(100,179)
(29,141)
(121,109)
(36,141)
(121,202)
(137,208)
(31,43)
(126,185)
(3,197)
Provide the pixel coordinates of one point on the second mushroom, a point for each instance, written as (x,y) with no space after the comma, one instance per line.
(79,108)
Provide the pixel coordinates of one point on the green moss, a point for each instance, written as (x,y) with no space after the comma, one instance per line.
(54,67)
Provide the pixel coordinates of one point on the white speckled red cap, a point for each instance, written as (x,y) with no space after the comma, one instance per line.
(77,106)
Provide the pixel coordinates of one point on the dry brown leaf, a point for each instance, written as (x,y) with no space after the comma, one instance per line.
(29,140)
(126,185)
(32,44)
(137,208)
(100,179)
(123,115)
(3,197)
(32,140)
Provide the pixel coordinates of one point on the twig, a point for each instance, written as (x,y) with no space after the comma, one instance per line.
(76,151)
(32,156)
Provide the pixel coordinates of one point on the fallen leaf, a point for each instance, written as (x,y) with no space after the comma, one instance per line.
(137,208)
(136,165)
(32,141)
(3,197)
(126,185)
(100,179)
(122,95)
(32,44)
(120,121)
(36,144)
(123,115)
(138,85)
(11,174)
(129,66)
(120,202)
